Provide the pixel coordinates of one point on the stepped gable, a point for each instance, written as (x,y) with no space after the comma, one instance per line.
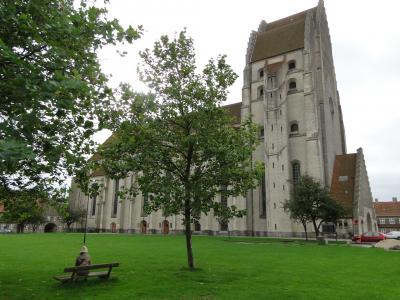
(280,36)
(387,209)
(343,179)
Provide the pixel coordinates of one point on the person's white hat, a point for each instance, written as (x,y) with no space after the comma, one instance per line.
(84,249)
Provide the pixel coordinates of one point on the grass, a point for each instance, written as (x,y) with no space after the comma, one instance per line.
(154,267)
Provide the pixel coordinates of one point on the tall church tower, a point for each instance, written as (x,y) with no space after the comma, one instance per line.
(290,91)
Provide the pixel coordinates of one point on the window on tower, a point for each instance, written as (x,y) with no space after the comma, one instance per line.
(294,127)
(295,172)
(292,85)
(292,65)
(260,91)
(261,74)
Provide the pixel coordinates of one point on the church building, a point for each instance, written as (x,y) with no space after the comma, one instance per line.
(290,90)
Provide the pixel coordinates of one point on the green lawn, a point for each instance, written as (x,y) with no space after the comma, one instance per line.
(154,267)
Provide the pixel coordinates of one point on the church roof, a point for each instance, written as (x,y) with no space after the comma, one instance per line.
(232,109)
(343,179)
(387,209)
(280,37)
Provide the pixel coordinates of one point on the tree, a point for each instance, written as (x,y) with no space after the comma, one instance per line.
(311,202)
(24,207)
(70,215)
(178,140)
(52,89)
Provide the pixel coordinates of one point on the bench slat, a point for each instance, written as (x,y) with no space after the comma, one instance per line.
(91,267)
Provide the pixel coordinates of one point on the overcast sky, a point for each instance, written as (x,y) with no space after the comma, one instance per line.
(365,37)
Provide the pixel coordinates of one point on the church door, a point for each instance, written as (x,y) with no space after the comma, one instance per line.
(143,227)
(113,227)
(165,227)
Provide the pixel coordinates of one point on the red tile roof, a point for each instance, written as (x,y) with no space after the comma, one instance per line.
(387,209)
(234,110)
(343,179)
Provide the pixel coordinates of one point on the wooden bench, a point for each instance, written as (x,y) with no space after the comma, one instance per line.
(75,270)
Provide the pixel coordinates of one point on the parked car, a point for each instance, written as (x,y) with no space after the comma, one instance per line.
(393,235)
(369,237)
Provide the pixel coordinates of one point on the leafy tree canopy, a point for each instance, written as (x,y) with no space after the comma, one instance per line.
(52,89)
(311,202)
(179,142)
(24,207)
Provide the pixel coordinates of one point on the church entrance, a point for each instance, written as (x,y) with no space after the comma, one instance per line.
(165,227)
(113,227)
(143,227)
(50,227)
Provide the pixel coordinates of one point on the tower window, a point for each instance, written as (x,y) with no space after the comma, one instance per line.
(294,127)
(261,132)
(332,108)
(261,74)
(292,65)
(292,85)
(260,91)
(295,172)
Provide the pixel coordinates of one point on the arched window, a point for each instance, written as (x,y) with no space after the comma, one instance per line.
(260,92)
(332,108)
(292,84)
(292,65)
(295,172)
(294,127)
(261,74)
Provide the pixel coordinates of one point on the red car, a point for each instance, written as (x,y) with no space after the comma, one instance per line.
(369,237)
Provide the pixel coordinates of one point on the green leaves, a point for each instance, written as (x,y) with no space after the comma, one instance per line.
(311,202)
(52,91)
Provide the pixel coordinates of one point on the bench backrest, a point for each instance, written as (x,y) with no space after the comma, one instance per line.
(91,267)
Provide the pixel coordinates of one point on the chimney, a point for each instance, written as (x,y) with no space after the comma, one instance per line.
(394,199)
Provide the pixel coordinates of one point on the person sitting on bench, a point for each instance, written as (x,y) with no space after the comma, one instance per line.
(83,259)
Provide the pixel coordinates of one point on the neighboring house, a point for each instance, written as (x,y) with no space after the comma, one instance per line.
(350,187)
(388,215)
(290,90)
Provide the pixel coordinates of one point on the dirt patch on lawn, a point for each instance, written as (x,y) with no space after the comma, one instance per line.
(387,244)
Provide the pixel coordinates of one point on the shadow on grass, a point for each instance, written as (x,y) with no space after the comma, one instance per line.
(89,283)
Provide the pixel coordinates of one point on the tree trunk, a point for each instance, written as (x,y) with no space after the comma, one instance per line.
(316,228)
(305,230)
(188,233)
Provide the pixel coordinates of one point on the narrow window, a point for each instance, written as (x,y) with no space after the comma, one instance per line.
(294,127)
(283,167)
(295,172)
(262,132)
(292,65)
(263,190)
(274,184)
(273,165)
(292,85)
(272,127)
(332,108)
(144,203)
(261,74)
(274,205)
(260,92)
(224,198)
(283,187)
(115,202)
(275,226)
(94,205)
